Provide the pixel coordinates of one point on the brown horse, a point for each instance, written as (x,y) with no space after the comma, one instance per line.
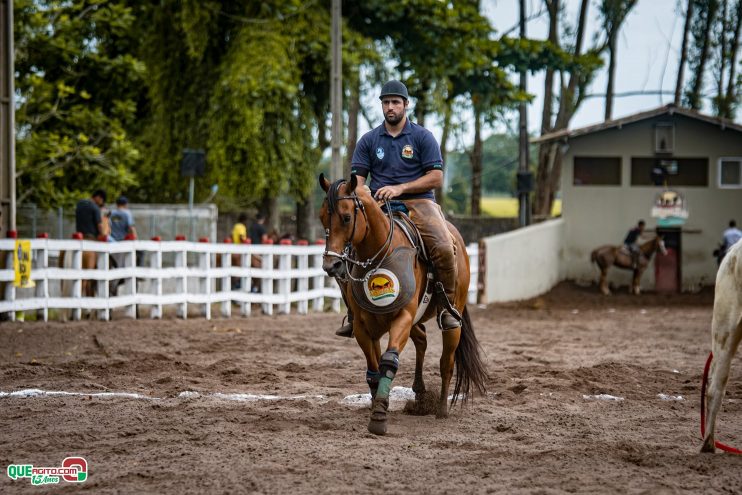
(607,256)
(358,232)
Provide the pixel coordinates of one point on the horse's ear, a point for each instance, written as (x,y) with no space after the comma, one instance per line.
(353,182)
(323,182)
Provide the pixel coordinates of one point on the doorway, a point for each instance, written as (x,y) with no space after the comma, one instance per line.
(667,274)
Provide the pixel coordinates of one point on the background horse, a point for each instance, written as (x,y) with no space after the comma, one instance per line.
(607,256)
(352,218)
(726,332)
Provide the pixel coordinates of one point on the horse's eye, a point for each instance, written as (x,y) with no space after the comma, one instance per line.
(346,218)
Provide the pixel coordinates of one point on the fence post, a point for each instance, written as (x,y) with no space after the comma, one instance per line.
(42,284)
(103,290)
(9,287)
(226,282)
(130,282)
(266,283)
(246,282)
(318,282)
(204,282)
(284,283)
(155,262)
(302,264)
(77,282)
(181,283)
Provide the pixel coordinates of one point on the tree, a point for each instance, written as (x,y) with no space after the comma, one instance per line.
(727,34)
(701,29)
(684,51)
(79,86)
(580,73)
(613,14)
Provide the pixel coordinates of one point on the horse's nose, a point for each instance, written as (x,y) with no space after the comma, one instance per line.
(332,266)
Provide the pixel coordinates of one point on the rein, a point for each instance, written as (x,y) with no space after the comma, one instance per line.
(345,256)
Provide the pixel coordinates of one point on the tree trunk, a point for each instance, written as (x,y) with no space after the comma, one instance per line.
(612,45)
(549,168)
(694,98)
(354,108)
(447,111)
(269,207)
(304,217)
(731,95)
(722,58)
(683,52)
(421,106)
(476,164)
(542,172)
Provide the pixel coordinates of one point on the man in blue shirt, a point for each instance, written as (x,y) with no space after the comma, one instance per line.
(731,236)
(405,164)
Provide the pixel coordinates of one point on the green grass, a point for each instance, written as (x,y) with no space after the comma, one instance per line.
(505,207)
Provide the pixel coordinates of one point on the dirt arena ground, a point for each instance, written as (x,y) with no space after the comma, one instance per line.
(539,429)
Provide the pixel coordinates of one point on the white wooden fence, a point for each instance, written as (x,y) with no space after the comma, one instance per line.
(178,273)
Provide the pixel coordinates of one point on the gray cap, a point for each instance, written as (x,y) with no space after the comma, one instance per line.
(394,88)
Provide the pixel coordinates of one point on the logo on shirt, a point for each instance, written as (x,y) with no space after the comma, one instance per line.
(407,151)
(380,153)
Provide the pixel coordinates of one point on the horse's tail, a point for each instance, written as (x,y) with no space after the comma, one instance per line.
(470,368)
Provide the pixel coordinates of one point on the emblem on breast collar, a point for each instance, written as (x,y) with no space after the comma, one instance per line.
(380,153)
(407,151)
(382,288)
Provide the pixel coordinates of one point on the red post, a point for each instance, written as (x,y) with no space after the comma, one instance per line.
(157,238)
(77,236)
(302,242)
(285,242)
(12,234)
(180,237)
(203,239)
(43,235)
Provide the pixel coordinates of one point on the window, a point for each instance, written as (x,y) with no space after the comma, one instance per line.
(597,171)
(730,172)
(679,171)
(664,137)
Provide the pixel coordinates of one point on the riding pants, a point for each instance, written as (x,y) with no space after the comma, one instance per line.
(440,244)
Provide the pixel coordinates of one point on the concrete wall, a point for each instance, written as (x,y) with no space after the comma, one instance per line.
(523,263)
(598,215)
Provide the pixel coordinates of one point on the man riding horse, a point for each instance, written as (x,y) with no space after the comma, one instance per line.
(405,163)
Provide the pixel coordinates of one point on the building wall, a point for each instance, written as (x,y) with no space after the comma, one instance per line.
(523,263)
(599,215)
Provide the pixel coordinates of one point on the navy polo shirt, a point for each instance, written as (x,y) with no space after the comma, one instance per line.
(397,160)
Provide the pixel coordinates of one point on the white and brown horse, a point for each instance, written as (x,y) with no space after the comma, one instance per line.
(607,256)
(726,333)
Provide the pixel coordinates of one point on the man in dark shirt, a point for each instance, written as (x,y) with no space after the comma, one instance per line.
(257,230)
(88,219)
(632,242)
(405,164)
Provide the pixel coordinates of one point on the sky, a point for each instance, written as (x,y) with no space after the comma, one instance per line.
(648,56)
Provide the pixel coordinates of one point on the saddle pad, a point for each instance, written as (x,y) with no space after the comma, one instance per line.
(390,286)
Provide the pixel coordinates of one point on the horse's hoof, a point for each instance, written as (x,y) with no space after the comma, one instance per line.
(708,447)
(377,427)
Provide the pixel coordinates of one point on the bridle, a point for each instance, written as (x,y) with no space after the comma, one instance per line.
(345,256)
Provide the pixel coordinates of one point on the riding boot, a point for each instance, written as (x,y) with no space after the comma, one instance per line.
(346,330)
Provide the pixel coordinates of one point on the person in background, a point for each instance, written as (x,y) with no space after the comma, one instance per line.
(239,230)
(122,221)
(731,236)
(239,234)
(258,233)
(632,242)
(88,218)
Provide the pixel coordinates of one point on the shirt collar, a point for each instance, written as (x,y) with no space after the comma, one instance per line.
(406,130)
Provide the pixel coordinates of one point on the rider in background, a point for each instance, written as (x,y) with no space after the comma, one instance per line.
(632,242)
(405,164)
(731,236)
